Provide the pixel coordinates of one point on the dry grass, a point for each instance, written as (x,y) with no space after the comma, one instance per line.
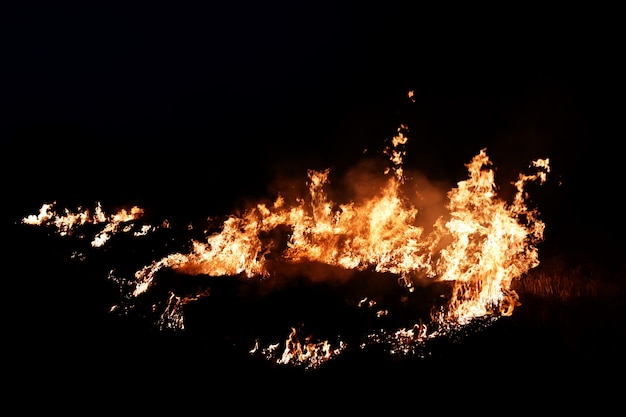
(577,309)
(556,281)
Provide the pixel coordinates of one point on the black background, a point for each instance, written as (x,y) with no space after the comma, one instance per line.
(192,108)
(192,111)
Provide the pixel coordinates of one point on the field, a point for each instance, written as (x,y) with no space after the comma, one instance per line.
(568,332)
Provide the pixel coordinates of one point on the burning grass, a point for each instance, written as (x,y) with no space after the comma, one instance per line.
(478,245)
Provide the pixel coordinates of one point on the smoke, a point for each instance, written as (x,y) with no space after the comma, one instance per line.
(428,196)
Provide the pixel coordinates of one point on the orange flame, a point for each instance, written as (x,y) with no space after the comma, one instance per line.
(308,354)
(481,245)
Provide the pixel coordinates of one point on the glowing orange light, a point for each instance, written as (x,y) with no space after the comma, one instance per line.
(480,244)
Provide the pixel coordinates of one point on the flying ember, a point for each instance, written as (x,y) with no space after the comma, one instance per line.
(477,245)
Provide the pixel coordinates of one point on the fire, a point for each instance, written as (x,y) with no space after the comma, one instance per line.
(491,245)
(68,221)
(480,245)
(309,354)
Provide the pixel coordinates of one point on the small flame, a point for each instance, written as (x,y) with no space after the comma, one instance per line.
(309,353)
(68,221)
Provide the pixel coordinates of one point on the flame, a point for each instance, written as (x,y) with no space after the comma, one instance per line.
(67,222)
(491,245)
(308,354)
(480,245)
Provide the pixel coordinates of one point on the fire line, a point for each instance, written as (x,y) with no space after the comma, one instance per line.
(479,244)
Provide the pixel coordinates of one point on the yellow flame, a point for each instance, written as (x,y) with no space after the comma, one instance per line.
(68,221)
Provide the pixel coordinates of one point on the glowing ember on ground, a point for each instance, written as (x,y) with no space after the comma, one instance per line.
(480,244)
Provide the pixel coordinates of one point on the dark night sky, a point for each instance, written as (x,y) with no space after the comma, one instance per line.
(191,108)
(194,110)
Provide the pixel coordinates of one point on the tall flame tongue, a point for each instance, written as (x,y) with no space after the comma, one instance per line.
(480,246)
(490,245)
